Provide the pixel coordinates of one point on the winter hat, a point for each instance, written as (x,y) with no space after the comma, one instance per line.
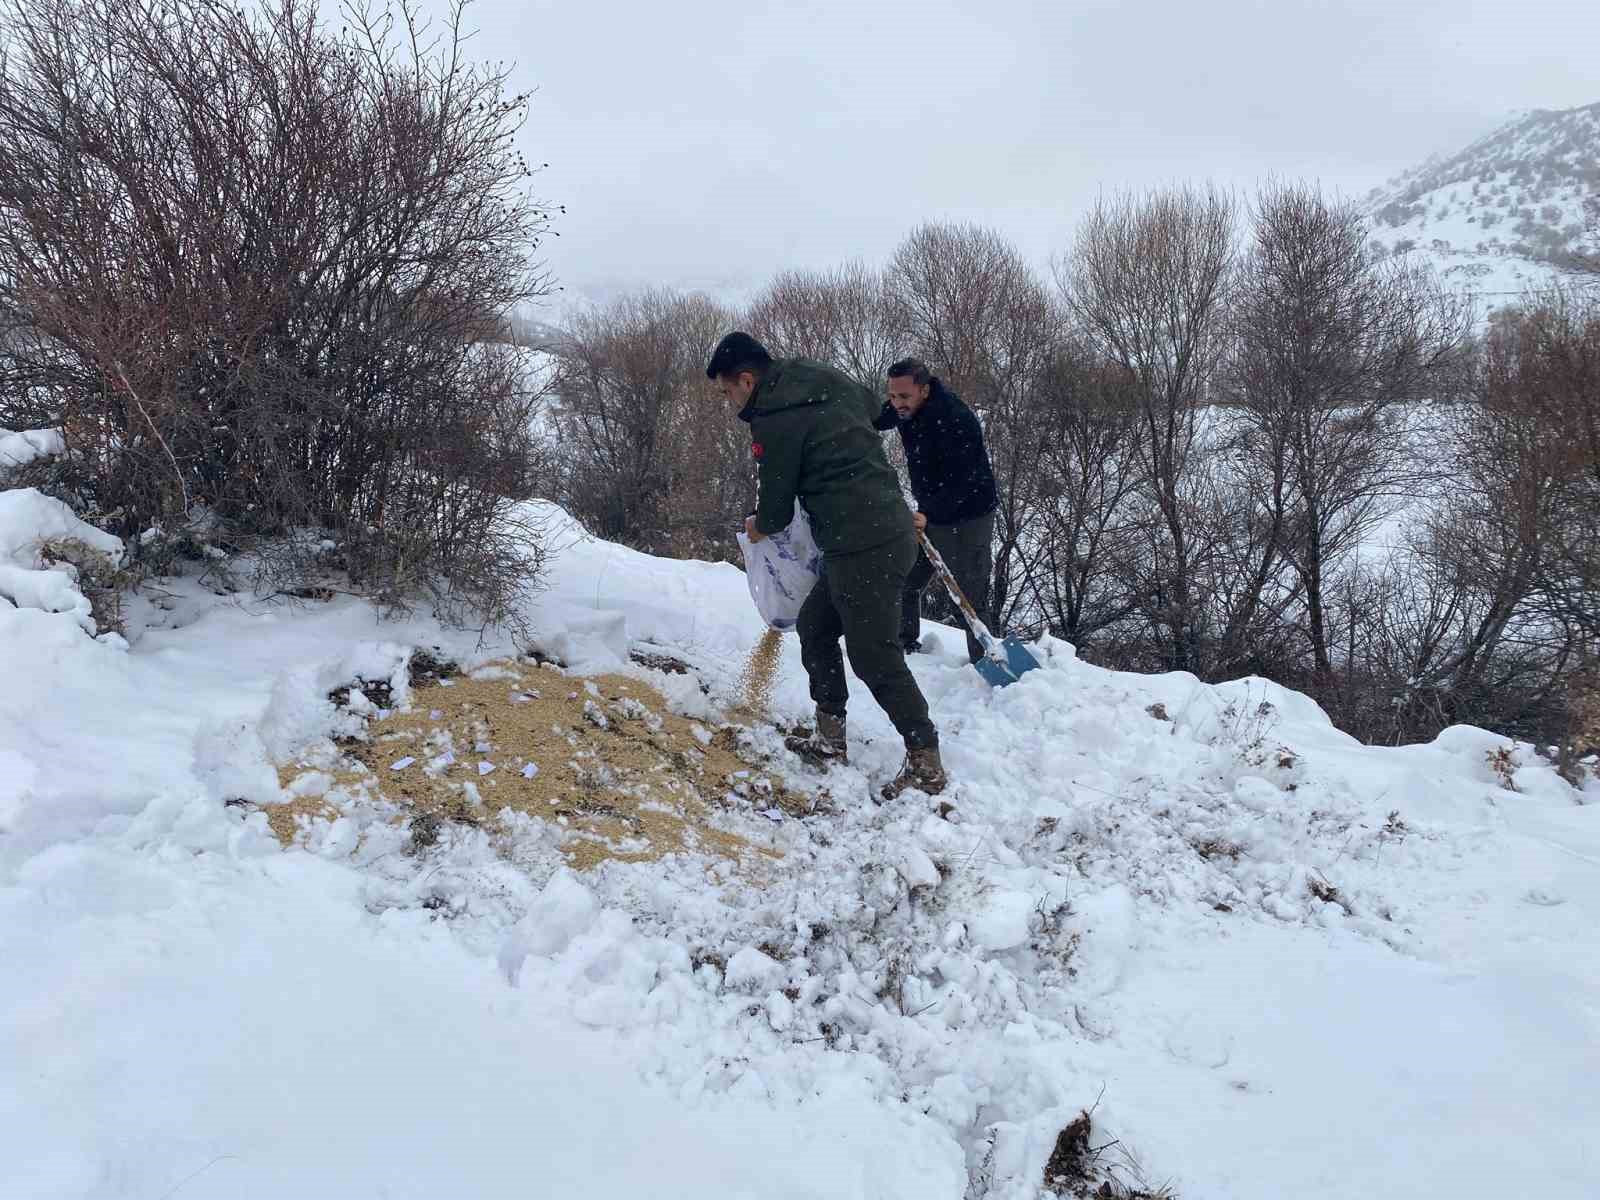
(738,351)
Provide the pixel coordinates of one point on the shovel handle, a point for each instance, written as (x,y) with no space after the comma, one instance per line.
(991,647)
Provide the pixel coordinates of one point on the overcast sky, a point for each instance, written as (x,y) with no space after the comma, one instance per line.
(709,144)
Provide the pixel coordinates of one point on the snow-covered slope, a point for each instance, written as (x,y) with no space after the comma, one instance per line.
(1505,214)
(1283,964)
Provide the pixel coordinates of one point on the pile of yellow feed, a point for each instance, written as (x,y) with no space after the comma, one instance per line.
(602,760)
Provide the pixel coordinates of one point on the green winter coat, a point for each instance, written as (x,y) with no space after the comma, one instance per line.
(813,440)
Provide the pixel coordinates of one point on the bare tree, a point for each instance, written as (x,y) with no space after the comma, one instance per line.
(1146,282)
(651,457)
(956,289)
(1249,599)
(261,264)
(1500,659)
(970,305)
(843,317)
(1333,353)
(1075,564)
(1544,362)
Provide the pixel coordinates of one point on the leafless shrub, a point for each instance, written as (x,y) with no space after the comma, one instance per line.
(651,456)
(955,288)
(101,581)
(1500,540)
(1088,474)
(1541,375)
(1246,728)
(1244,620)
(845,317)
(261,266)
(1504,765)
(1332,352)
(1146,283)
(1582,734)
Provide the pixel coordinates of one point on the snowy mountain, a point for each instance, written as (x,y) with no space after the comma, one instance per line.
(1505,214)
(283,914)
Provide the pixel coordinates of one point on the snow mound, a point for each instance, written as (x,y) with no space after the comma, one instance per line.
(30,522)
(27,446)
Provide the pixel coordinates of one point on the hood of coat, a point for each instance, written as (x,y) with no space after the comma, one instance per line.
(784,386)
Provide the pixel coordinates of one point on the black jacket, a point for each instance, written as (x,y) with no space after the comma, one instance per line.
(950,472)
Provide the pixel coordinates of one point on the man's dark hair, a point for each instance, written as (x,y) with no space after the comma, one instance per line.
(738,352)
(914,367)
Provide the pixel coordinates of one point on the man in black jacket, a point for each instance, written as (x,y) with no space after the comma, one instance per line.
(953,483)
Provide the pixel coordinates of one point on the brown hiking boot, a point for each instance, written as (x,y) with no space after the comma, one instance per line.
(923,770)
(825,745)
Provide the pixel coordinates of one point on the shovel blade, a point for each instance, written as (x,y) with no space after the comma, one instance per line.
(1019,660)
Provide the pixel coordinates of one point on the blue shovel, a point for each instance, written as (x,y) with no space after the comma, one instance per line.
(1004,660)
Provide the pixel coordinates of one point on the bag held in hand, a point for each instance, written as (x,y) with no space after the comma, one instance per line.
(781,571)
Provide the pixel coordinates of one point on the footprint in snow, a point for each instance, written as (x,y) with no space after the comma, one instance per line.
(1544,897)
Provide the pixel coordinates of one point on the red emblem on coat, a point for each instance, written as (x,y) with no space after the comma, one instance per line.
(755,449)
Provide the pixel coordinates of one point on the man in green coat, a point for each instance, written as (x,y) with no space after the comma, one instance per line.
(813,440)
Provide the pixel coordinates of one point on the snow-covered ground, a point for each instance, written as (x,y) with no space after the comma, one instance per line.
(1284,964)
(23,447)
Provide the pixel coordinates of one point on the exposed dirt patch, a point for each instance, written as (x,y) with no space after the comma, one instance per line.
(1078,1169)
(379,691)
(1066,1171)
(1216,847)
(602,759)
(426,668)
(659,662)
(1328,894)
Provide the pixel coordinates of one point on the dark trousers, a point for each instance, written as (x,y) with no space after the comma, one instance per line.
(858,598)
(968,550)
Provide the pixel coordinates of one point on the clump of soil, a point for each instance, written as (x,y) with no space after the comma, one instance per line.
(1067,1169)
(427,667)
(1328,894)
(659,662)
(760,671)
(600,758)
(379,691)
(1075,1168)
(1217,847)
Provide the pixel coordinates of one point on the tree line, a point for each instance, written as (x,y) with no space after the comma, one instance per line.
(1229,437)
(261,270)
